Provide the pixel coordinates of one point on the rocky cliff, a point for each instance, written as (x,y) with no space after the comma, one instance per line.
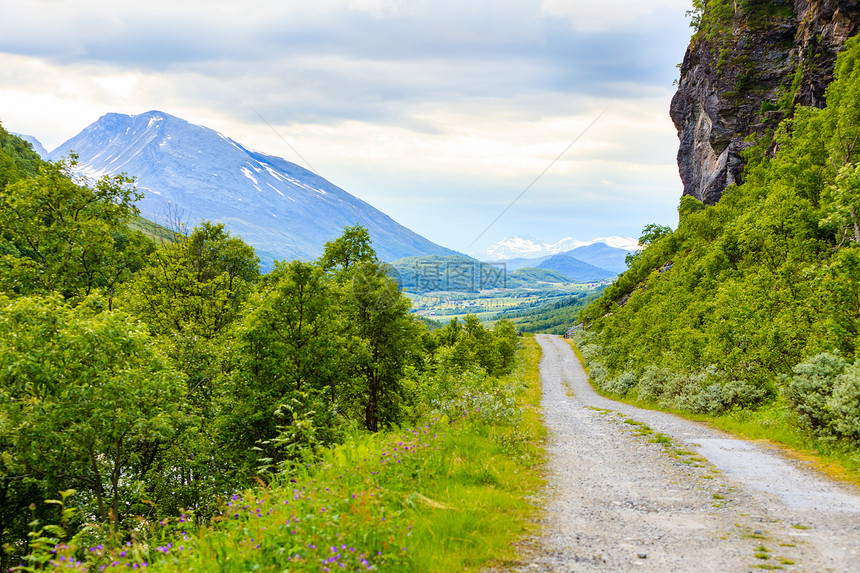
(748,64)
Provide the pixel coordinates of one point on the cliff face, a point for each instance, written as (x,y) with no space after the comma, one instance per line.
(740,73)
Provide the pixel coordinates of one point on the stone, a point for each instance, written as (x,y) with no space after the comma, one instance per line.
(724,84)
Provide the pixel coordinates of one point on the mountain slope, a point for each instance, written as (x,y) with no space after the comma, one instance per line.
(37,145)
(517,264)
(194,173)
(754,301)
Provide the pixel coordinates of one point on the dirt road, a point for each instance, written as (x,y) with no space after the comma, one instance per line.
(619,501)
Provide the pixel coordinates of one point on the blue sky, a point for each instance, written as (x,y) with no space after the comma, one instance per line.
(438,113)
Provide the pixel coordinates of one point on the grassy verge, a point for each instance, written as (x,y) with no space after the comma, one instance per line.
(774,425)
(451,495)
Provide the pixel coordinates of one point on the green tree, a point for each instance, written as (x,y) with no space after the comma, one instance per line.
(88,402)
(195,286)
(191,292)
(651,233)
(843,201)
(290,355)
(353,247)
(61,236)
(378,316)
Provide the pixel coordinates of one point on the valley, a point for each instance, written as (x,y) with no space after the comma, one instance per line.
(492,305)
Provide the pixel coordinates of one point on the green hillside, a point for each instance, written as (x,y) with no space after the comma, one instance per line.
(532,275)
(753,305)
(164,405)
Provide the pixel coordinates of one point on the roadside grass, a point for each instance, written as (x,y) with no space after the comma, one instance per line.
(772,426)
(451,495)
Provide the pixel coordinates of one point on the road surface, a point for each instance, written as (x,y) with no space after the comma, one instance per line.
(702,501)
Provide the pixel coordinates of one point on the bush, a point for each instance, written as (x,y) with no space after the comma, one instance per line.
(809,390)
(653,383)
(622,383)
(711,400)
(844,404)
(744,394)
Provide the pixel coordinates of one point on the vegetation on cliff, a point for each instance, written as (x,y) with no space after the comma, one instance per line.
(753,305)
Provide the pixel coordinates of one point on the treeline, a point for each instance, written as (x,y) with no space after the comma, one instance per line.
(155,378)
(755,302)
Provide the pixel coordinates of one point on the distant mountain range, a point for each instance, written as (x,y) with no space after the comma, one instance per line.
(576,270)
(195,173)
(589,263)
(513,248)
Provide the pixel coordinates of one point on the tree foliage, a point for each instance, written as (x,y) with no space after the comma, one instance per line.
(139,380)
(59,235)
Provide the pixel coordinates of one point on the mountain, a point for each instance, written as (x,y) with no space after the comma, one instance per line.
(598,254)
(37,145)
(517,264)
(576,270)
(533,276)
(446,274)
(193,173)
(601,255)
(530,248)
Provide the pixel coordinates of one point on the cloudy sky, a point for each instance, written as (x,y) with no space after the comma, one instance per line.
(438,112)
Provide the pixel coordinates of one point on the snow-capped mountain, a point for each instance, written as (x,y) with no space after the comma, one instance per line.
(191,171)
(529,248)
(37,145)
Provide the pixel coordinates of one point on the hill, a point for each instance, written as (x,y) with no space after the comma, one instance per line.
(532,275)
(35,144)
(446,273)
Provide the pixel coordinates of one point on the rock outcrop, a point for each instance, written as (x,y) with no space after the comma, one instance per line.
(742,71)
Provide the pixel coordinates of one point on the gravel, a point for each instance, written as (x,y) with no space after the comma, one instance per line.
(616,500)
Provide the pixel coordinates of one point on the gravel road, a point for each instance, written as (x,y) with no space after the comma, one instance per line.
(619,501)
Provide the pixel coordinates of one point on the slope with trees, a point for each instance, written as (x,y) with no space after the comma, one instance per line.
(144,381)
(752,305)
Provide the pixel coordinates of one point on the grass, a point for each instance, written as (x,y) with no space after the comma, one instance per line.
(451,495)
(156,233)
(772,426)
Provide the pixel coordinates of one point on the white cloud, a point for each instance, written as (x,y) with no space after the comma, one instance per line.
(590,16)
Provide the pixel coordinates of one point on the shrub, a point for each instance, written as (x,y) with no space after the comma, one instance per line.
(809,389)
(744,394)
(622,383)
(711,400)
(653,382)
(844,404)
